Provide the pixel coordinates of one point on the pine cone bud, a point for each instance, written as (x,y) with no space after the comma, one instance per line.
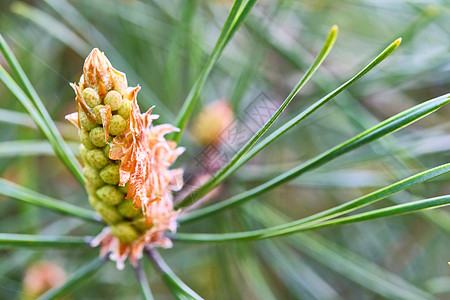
(125,160)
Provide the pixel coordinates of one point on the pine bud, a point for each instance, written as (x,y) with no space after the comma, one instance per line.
(114,99)
(110,174)
(212,121)
(96,158)
(126,162)
(97,113)
(41,277)
(97,137)
(111,195)
(124,232)
(117,125)
(91,97)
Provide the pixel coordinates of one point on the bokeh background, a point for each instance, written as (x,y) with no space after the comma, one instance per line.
(162,45)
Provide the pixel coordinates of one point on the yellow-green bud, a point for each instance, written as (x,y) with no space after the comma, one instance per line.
(90,189)
(97,137)
(126,209)
(124,232)
(85,140)
(96,158)
(120,84)
(114,99)
(91,97)
(92,176)
(106,150)
(86,124)
(140,224)
(117,125)
(108,213)
(125,109)
(97,114)
(93,201)
(110,195)
(110,174)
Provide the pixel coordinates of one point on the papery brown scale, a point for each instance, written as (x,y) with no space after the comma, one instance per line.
(97,72)
(73,118)
(132,92)
(102,89)
(121,144)
(81,104)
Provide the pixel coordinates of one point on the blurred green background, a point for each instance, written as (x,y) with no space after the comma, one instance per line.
(162,46)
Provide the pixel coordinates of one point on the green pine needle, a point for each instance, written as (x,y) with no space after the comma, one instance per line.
(382,129)
(33,104)
(220,175)
(12,190)
(11,241)
(236,17)
(178,288)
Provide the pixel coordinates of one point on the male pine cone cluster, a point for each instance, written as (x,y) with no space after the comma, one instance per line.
(126,162)
(102,173)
